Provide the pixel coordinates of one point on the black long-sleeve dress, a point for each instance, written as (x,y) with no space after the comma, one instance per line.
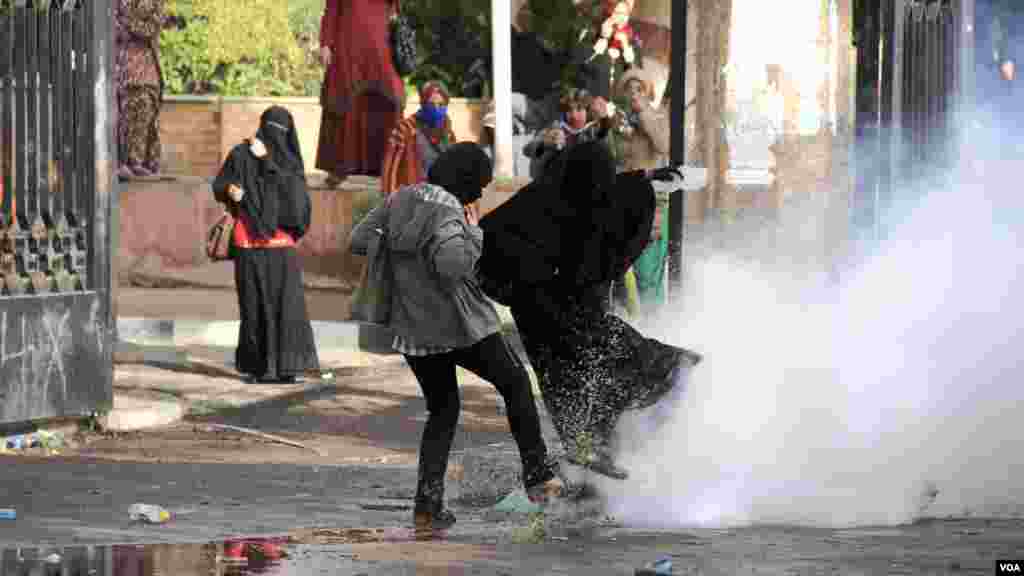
(550,254)
(275,340)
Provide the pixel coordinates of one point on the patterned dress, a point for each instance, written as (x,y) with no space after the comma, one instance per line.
(139,84)
(592,367)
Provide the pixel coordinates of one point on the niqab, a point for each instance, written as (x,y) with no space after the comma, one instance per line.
(276,196)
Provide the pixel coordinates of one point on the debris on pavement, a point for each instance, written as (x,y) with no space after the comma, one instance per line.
(48,442)
(533,533)
(265,436)
(386,507)
(8,514)
(662,567)
(148,513)
(517,502)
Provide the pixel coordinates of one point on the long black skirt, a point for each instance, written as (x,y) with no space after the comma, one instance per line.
(592,367)
(275,339)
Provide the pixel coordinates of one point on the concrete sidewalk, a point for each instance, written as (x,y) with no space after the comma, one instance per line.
(159,384)
(167,369)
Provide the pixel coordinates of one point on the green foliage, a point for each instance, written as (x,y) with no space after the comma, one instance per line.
(241,47)
(270,47)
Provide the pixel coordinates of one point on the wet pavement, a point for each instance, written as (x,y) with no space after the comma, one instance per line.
(949,547)
(72,518)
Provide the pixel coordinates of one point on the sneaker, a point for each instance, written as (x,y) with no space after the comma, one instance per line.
(439,520)
(543,493)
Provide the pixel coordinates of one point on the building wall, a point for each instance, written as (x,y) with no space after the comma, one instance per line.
(198,132)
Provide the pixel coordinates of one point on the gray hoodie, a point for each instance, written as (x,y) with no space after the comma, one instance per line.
(436,303)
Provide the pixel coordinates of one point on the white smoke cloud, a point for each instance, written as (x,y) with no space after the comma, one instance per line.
(844,403)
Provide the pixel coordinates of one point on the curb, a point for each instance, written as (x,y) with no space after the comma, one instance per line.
(131,413)
(149,332)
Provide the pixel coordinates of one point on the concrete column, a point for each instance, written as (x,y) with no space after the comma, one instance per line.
(501,56)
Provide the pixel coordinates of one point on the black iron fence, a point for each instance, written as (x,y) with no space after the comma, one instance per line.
(46,103)
(57,206)
(929,88)
(915,72)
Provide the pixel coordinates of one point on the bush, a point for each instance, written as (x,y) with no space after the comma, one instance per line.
(241,47)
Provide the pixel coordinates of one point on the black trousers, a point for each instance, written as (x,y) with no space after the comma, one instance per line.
(493,360)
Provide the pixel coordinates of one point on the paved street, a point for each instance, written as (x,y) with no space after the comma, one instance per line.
(354,519)
(244,505)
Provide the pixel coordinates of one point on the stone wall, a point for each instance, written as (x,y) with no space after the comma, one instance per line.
(163,226)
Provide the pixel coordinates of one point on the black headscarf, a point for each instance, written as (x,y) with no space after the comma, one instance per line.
(275,184)
(580,225)
(463,170)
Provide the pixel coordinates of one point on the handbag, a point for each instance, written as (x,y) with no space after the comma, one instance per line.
(372,300)
(403,44)
(218,240)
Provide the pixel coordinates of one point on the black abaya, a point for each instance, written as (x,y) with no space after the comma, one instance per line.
(275,339)
(550,254)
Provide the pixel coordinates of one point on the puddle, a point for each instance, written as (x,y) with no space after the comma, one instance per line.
(233,557)
(229,557)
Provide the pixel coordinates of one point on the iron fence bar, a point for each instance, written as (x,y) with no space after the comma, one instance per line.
(57,83)
(20,67)
(16,243)
(934,83)
(6,115)
(45,107)
(883,192)
(67,119)
(43,220)
(31,135)
(897,128)
(949,63)
(83,105)
(75,120)
(920,116)
(65,87)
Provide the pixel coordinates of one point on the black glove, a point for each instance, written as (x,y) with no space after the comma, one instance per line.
(666,174)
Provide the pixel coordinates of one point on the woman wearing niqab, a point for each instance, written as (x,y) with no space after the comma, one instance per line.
(550,254)
(263,184)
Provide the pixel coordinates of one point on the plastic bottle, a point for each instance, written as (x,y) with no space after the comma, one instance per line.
(663,567)
(148,513)
(8,514)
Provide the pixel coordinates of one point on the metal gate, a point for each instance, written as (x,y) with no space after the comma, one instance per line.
(58,193)
(915,69)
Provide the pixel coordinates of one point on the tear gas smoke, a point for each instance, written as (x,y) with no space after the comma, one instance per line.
(891,392)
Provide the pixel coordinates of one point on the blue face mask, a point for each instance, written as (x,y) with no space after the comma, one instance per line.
(433,115)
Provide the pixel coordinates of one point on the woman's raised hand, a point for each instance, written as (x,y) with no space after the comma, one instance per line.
(235,193)
(326,56)
(472,213)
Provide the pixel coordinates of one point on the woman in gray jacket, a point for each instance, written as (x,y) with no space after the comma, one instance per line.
(441,319)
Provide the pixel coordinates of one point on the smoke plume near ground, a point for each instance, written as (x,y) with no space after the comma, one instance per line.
(846,400)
